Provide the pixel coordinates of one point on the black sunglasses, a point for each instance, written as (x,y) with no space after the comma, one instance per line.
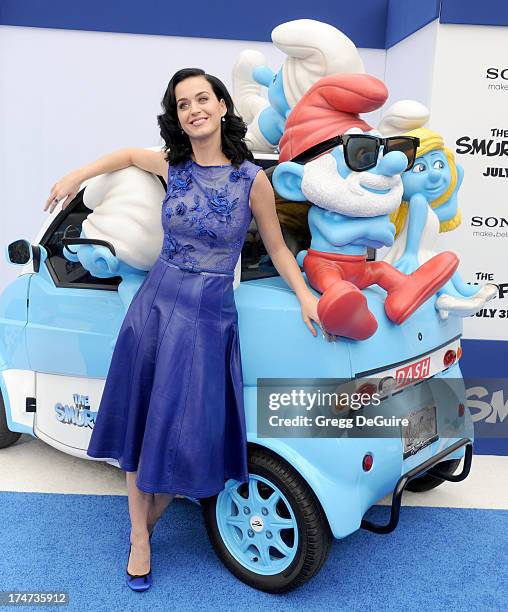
(362,150)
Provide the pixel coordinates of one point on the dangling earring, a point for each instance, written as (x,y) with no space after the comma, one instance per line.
(182,132)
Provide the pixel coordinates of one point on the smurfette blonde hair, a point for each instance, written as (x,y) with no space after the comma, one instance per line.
(431,141)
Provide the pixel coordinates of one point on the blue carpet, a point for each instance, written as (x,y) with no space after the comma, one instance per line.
(437,559)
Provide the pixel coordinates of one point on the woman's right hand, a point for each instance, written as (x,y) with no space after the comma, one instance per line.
(67,187)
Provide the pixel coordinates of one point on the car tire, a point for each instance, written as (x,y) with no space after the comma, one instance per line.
(7,437)
(428,482)
(273,558)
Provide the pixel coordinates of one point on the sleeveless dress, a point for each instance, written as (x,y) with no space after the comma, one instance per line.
(172,407)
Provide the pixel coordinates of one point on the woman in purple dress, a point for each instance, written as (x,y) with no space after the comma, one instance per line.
(172,411)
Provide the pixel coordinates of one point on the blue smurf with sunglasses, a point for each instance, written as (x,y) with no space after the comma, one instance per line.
(332,158)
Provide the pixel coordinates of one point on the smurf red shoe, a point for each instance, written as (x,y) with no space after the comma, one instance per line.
(343,311)
(420,286)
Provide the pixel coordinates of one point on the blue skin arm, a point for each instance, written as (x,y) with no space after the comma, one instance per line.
(408,263)
(463,288)
(341,230)
(271,125)
(455,286)
(417,217)
(263,75)
(272,119)
(458,288)
(448,210)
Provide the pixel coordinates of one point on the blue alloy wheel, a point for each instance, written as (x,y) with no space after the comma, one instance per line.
(259,530)
(271,532)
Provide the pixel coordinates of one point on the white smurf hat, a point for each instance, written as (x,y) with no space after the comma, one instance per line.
(314,49)
(403,116)
(126,211)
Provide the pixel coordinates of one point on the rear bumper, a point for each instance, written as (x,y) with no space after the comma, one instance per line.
(430,467)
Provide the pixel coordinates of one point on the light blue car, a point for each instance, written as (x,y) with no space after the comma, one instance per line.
(58,325)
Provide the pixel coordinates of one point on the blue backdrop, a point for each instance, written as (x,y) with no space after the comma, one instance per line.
(375,24)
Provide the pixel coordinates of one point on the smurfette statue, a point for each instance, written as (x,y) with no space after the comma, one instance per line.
(429,206)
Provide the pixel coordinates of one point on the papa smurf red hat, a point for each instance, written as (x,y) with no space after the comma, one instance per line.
(330,107)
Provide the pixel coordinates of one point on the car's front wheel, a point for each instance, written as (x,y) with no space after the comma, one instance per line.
(7,437)
(271,532)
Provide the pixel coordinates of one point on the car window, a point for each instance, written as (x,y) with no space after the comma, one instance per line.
(66,273)
(295,229)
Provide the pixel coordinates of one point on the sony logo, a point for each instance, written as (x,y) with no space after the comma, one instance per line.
(489,221)
(496,73)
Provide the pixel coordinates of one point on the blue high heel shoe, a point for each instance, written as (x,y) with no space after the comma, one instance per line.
(138,582)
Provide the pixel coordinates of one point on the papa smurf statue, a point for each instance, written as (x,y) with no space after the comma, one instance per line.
(332,158)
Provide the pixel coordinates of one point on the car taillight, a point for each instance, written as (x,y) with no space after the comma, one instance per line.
(449,358)
(460,410)
(367,388)
(368,462)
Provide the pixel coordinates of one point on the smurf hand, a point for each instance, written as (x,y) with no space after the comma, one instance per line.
(379,234)
(407,264)
(263,75)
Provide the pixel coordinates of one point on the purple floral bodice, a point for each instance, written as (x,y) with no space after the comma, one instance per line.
(205,215)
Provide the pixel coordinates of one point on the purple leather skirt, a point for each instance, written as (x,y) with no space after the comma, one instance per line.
(172,407)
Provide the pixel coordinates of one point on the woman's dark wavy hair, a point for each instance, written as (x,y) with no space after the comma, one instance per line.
(233,129)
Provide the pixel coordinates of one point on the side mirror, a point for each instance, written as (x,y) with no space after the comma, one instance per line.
(19,252)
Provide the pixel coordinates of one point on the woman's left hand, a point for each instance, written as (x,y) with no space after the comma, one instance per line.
(309,311)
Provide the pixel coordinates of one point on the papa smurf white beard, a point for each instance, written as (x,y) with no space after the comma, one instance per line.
(324,186)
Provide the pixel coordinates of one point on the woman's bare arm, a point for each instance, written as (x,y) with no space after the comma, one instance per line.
(262,203)
(68,186)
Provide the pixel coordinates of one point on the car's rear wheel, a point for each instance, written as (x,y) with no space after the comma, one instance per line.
(7,437)
(271,532)
(428,482)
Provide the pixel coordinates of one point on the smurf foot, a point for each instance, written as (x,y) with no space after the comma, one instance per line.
(465,306)
(420,286)
(343,311)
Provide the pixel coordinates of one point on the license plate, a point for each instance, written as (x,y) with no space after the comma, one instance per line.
(420,431)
